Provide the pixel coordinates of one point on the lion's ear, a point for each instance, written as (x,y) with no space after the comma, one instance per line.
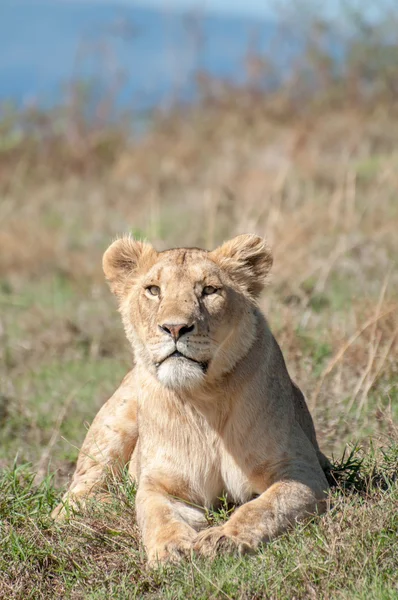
(247,260)
(122,260)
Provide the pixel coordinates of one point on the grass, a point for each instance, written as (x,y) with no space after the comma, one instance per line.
(319,180)
(349,553)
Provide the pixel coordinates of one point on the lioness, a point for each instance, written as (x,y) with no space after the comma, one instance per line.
(209,407)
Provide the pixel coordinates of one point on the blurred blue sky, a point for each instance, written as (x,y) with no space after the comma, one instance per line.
(252,7)
(46,44)
(144,44)
(261,8)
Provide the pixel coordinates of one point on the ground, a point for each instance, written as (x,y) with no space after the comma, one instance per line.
(323,191)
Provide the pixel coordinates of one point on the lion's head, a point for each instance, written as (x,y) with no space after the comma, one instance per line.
(188,313)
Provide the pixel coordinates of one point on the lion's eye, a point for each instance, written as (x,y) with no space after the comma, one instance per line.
(153,290)
(208,290)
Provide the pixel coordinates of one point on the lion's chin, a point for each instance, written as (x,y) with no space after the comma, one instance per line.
(180,373)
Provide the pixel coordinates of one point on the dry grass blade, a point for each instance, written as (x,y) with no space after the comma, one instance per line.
(373,348)
(377,372)
(373,343)
(339,355)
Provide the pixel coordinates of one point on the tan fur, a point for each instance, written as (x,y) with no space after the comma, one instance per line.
(221,417)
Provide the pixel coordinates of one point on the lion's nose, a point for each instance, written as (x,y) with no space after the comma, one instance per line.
(176,330)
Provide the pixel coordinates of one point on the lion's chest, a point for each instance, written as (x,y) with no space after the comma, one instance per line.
(213,473)
(235,482)
(190,456)
(196,463)
(207,472)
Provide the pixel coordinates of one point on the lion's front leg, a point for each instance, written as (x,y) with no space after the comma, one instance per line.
(168,525)
(262,519)
(108,446)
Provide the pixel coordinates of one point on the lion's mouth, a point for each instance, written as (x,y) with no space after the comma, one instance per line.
(177,354)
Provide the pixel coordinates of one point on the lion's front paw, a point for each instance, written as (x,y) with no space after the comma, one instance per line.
(69,506)
(218,539)
(75,502)
(72,504)
(171,550)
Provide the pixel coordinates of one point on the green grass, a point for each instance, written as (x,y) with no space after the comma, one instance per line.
(81,383)
(348,553)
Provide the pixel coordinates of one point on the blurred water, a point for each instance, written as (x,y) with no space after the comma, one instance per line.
(147,56)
